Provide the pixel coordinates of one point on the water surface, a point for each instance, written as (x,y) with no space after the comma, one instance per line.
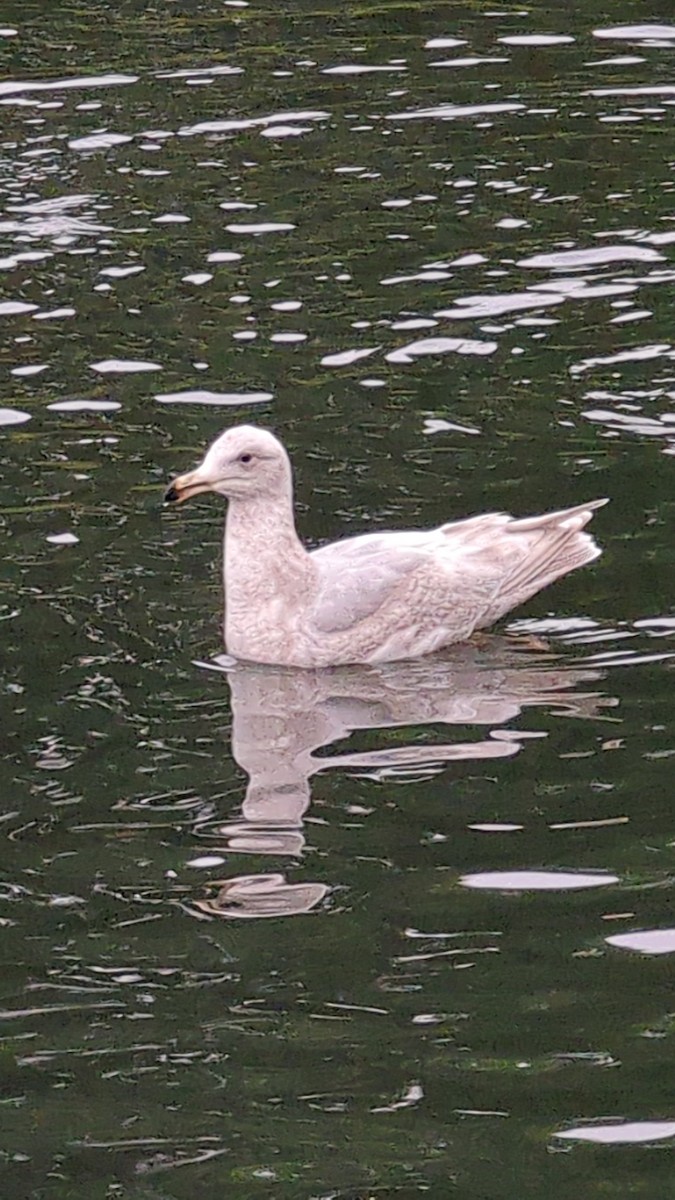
(364,932)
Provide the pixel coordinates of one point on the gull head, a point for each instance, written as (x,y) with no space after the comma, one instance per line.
(243,463)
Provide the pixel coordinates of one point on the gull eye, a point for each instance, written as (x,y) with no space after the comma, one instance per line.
(245,458)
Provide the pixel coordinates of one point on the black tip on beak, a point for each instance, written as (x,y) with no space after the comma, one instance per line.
(170,494)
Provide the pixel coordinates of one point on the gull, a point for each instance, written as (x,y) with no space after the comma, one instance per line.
(376,598)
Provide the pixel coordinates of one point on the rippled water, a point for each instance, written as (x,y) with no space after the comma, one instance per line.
(366,932)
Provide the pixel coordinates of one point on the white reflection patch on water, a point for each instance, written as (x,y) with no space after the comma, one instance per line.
(449,112)
(221,256)
(99,141)
(496,827)
(171,219)
(282,118)
(638,314)
(361,69)
(412,1095)
(62,539)
(30,369)
(123,366)
(157,135)
(440,425)
(444,43)
(285,131)
(415,323)
(659,239)
(537,881)
(344,358)
(470,307)
(262,227)
(657,624)
(122,272)
(635,354)
(11,308)
(645,941)
(440,345)
(200,396)
(594,256)
(84,405)
(58,85)
(471,61)
(620,422)
(468,260)
(630,33)
(194,72)
(421,276)
(618,1132)
(536,39)
(13,416)
(12,262)
(664,90)
(618,60)
(580,289)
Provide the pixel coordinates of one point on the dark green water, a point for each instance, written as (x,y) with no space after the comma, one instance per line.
(267,934)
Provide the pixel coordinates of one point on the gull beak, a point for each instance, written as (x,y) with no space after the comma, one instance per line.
(186,486)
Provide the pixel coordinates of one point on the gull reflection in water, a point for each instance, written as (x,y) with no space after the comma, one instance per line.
(281,717)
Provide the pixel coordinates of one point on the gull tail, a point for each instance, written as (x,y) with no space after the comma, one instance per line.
(545,548)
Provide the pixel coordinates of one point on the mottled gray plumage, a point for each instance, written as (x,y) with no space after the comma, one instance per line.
(374,598)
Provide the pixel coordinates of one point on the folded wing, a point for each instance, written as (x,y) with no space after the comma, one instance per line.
(485,566)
